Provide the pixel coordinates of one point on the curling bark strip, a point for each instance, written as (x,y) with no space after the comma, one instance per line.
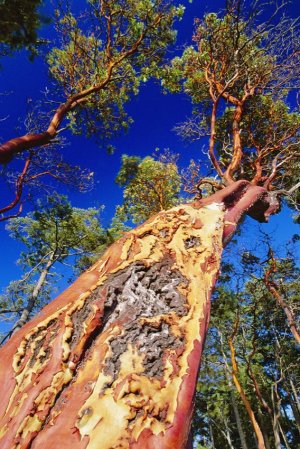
(113,361)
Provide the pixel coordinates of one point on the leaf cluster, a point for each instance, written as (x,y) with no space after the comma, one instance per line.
(20,21)
(149,186)
(109,50)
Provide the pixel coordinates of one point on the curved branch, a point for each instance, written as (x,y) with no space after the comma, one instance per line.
(19,190)
(212,139)
(235,162)
(15,146)
(19,144)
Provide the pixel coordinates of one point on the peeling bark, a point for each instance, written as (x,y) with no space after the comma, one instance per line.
(113,361)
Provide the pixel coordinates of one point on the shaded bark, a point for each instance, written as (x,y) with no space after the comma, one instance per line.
(113,361)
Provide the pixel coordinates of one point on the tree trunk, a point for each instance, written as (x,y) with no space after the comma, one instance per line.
(274,290)
(227,435)
(295,400)
(232,397)
(295,413)
(33,299)
(275,425)
(211,434)
(238,421)
(275,417)
(287,446)
(256,427)
(265,435)
(113,361)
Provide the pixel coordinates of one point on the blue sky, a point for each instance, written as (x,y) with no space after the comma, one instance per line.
(154,117)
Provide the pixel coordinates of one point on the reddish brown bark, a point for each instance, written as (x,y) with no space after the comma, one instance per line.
(18,192)
(237,145)
(113,361)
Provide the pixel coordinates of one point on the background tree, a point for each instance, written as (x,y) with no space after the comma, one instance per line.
(239,75)
(150,186)
(54,233)
(20,21)
(264,353)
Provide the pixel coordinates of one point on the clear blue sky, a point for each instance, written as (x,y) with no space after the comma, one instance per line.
(154,117)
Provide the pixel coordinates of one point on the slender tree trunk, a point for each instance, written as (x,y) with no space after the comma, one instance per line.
(232,397)
(227,434)
(295,413)
(275,425)
(211,434)
(35,294)
(235,163)
(275,418)
(296,401)
(238,421)
(113,361)
(284,437)
(273,289)
(254,422)
(273,412)
(265,435)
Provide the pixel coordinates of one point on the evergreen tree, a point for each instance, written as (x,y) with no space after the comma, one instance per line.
(19,24)
(54,233)
(150,186)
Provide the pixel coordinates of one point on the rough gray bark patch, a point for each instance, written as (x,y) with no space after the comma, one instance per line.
(131,294)
(192,241)
(145,292)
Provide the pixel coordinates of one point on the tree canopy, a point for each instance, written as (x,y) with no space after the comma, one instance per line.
(54,233)
(150,186)
(239,74)
(20,21)
(102,57)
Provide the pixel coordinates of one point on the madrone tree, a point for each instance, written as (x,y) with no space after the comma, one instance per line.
(102,57)
(113,361)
